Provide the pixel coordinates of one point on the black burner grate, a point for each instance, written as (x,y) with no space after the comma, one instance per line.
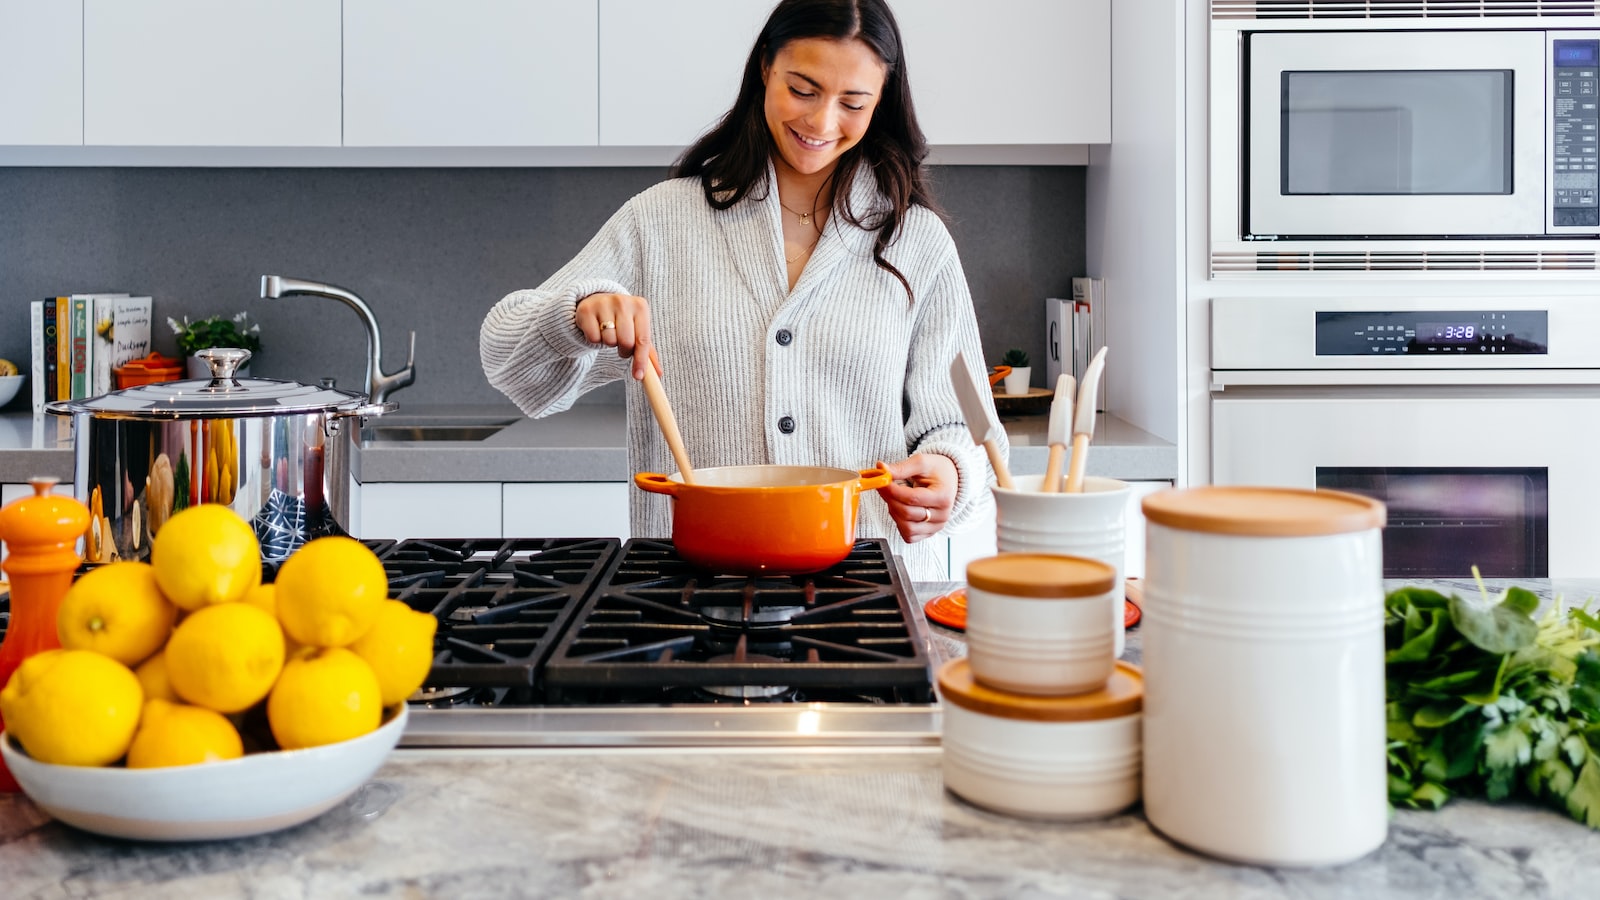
(656,622)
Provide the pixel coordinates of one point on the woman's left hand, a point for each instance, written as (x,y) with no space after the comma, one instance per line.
(921,494)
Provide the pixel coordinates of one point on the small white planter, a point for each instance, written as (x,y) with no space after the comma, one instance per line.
(1016,381)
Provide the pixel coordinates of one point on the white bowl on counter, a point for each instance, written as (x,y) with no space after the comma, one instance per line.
(255,794)
(1063,758)
(9,385)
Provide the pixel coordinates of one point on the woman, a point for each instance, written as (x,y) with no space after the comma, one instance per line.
(804,298)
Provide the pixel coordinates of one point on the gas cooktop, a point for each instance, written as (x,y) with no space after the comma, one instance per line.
(600,642)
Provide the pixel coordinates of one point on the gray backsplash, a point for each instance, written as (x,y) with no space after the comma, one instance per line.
(431,250)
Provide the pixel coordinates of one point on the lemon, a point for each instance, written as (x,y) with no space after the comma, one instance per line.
(72,707)
(329,591)
(263,597)
(325,695)
(225,657)
(176,734)
(206,554)
(118,610)
(399,647)
(152,674)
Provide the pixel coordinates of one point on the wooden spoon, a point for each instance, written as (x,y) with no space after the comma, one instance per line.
(668,422)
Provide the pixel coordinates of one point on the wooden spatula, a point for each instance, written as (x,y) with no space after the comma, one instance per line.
(1059,433)
(668,422)
(980,420)
(1083,420)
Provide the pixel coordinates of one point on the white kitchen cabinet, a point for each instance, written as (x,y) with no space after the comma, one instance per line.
(41,72)
(566,509)
(429,510)
(657,90)
(470,73)
(198,73)
(1010,71)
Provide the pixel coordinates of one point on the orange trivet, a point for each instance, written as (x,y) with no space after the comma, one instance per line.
(950,610)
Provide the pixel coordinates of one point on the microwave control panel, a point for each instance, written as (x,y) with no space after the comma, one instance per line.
(1575,133)
(1417,333)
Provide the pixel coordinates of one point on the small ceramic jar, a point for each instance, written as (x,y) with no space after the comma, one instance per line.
(1072,757)
(1040,623)
(1263,654)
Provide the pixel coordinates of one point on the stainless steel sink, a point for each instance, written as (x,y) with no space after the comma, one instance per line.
(387,432)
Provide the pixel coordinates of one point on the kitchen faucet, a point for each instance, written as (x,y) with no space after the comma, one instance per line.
(379,385)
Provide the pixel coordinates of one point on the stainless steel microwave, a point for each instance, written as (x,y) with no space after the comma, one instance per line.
(1380,131)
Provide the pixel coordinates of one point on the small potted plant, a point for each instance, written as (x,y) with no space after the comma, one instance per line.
(1017,379)
(215,331)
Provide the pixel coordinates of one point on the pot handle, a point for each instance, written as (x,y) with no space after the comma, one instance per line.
(876,477)
(365,410)
(656,483)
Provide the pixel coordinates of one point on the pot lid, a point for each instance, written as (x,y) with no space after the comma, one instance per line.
(224,395)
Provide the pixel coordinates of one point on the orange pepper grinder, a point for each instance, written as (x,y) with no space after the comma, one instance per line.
(41,533)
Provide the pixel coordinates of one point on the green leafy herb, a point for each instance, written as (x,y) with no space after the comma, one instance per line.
(1484,700)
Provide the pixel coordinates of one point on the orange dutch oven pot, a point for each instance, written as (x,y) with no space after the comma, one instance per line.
(765,520)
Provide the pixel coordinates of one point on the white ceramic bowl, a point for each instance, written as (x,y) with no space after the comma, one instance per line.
(9,385)
(255,794)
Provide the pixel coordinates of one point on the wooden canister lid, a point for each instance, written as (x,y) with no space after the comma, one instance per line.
(1123,695)
(1263,511)
(1050,576)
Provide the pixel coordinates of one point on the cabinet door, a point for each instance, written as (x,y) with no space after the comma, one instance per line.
(1010,71)
(668,71)
(41,72)
(566,509)
(245,73)
(470,73)
(430,510)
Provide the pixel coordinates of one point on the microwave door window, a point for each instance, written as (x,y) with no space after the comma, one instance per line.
(1413,133)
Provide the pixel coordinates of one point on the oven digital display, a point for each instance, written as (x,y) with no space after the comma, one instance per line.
(1433,332)
(1447,333)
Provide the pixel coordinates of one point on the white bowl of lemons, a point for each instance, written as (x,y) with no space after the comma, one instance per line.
(191,702)
(254,794)
(9,385)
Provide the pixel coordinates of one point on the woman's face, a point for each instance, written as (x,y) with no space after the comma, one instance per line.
(820,98)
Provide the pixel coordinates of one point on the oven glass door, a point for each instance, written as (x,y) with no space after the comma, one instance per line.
(1499,478)
(1396,134)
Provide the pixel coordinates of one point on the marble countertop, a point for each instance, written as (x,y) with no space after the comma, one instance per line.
(585,443)
(679,823)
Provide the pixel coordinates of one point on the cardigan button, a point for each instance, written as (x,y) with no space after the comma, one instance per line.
(785,338)
(786,425)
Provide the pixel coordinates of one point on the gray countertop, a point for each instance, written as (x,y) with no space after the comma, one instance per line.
(762,823)
(585,443)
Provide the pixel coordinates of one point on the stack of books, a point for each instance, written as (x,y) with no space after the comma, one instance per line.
(78,339)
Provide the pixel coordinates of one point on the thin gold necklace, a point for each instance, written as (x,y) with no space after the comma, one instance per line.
(805,217)
(791,259)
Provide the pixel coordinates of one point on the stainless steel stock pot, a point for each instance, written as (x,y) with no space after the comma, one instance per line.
(277,452)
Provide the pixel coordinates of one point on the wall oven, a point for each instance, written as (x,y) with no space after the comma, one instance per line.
(1476,420)
(1468,140)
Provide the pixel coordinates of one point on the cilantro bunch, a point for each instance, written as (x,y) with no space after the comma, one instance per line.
(1485,701)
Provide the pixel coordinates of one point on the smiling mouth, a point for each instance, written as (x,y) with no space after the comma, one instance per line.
(808,142)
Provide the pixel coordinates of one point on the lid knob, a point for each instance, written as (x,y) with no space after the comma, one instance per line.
(224,363)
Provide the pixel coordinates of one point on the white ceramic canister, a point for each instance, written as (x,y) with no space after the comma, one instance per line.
(1037,622)
(1263,658)
(1091,523)
(1073,757)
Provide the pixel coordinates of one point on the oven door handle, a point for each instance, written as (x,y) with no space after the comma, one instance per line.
(1222,379)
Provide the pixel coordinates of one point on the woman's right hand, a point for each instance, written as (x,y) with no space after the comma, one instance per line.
(621,321)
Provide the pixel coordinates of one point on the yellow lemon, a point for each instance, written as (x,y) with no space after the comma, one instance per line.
(325,695)
(118,610)
(329,591)
(263,597)
(72,707)
(206,554)
(399,647)
(225,657)
(152,674)
(176,734)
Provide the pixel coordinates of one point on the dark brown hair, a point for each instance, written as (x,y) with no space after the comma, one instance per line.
(731,159)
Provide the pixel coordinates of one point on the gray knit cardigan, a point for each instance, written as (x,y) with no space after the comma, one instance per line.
(847,364)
